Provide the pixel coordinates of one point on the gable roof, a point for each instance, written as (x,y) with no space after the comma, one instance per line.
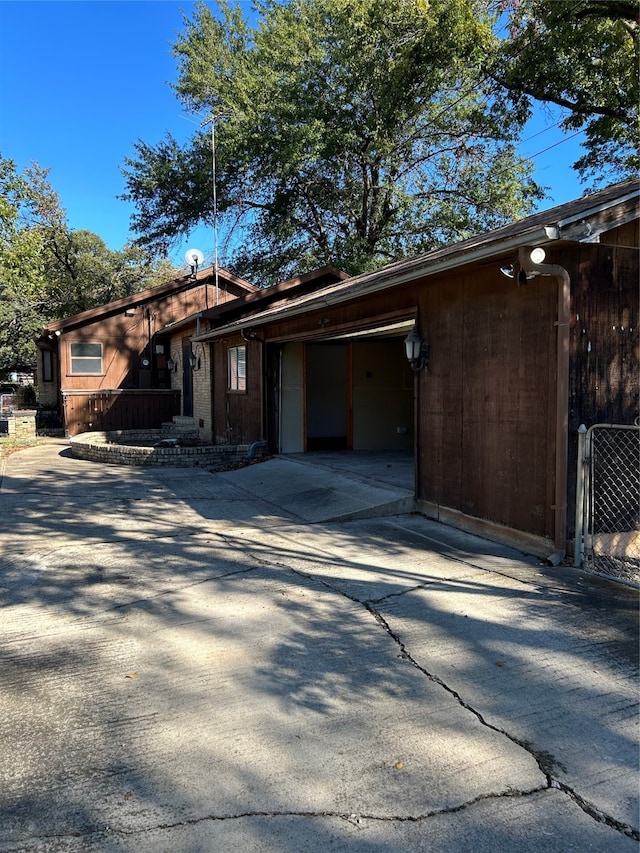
(261,297)
(581,220)
(151,294)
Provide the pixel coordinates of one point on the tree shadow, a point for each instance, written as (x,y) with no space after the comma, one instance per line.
(161,668)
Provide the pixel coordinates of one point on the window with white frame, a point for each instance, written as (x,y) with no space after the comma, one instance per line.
(237,368)
(86,358)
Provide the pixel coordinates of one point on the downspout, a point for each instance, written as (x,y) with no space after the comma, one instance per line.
(562,396)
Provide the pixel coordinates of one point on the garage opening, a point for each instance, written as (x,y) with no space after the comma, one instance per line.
(354,392)
(327,398)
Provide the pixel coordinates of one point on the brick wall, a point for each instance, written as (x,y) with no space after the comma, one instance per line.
(101,447)
(202,392)
(21,425)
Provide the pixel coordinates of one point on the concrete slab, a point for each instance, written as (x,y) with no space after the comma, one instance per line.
(187,664)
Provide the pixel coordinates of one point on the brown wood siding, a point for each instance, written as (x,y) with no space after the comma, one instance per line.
(604,336)
(487,412)
(125,341)
(604,382)
(237,415)
(112,410)
(625,235)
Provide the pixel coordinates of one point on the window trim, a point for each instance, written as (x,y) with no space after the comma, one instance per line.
(237,369)
(74,360)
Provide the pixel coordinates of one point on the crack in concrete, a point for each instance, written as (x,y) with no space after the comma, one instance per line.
(355,819)
(544,760)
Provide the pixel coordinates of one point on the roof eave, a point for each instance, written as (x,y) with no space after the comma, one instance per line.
(371,283)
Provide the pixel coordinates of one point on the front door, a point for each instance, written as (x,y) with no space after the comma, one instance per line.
(187,379)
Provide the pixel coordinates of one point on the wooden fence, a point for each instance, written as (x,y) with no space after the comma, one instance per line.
(118,409)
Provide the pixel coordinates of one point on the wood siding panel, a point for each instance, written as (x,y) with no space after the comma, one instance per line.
(604,381)
(126,340)
(487,406)
(237,416)
(119,410)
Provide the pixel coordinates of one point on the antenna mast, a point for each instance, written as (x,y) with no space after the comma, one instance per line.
(212,119)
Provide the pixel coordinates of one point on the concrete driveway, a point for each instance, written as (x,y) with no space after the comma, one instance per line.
(203,662)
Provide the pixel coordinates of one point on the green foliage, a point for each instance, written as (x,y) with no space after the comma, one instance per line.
(25,397)
(347,131)
(48,271)
(582,55)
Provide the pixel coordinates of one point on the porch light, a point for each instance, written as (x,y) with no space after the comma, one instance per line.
(537,255)
(172,364)
(194,361)
(417,350)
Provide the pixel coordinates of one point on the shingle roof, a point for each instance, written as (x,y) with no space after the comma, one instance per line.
(149,295)
(582,219)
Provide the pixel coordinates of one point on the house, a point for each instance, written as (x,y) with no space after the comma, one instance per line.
(514,353)
(228,416)
(111,367)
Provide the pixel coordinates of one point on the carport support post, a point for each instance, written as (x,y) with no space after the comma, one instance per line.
(580,479)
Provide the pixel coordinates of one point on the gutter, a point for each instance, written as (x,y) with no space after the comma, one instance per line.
(562,396)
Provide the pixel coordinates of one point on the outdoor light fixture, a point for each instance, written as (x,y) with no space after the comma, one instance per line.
(417,350)
(194,361)
(172,364)
(536,255)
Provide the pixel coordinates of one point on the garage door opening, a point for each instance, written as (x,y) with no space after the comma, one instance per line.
(327,398)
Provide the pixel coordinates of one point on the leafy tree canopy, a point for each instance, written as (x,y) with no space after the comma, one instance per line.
(347,131)
(48,271)
(582,55)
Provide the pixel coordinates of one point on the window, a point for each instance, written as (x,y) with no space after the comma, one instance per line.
(86,358)
(47,366)
(237,369)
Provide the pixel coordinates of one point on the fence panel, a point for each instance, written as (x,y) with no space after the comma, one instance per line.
(610,523)
(118,409)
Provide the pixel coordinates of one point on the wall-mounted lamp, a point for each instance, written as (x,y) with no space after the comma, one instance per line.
(417,350)
(172,364)
(194,361)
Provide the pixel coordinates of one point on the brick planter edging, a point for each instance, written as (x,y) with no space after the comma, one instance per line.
(111,447)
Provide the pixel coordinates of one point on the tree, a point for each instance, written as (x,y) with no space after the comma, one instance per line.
(582,55)
(347,131)
(48,271)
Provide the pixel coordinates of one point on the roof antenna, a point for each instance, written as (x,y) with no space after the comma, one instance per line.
(212,121)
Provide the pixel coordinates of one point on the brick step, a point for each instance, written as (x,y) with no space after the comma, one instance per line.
(181,427)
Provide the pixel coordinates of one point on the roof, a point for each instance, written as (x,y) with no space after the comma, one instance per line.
(581,220)
(149,295)
(278,293)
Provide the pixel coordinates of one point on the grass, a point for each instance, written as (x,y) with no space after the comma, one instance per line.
(11,445)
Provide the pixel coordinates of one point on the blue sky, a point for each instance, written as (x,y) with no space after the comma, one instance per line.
(82,80)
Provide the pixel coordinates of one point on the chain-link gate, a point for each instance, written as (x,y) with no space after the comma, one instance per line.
(608,500)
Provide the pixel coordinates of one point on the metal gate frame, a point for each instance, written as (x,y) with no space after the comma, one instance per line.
(603,537)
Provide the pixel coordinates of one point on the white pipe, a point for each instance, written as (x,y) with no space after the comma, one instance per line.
(562,389)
